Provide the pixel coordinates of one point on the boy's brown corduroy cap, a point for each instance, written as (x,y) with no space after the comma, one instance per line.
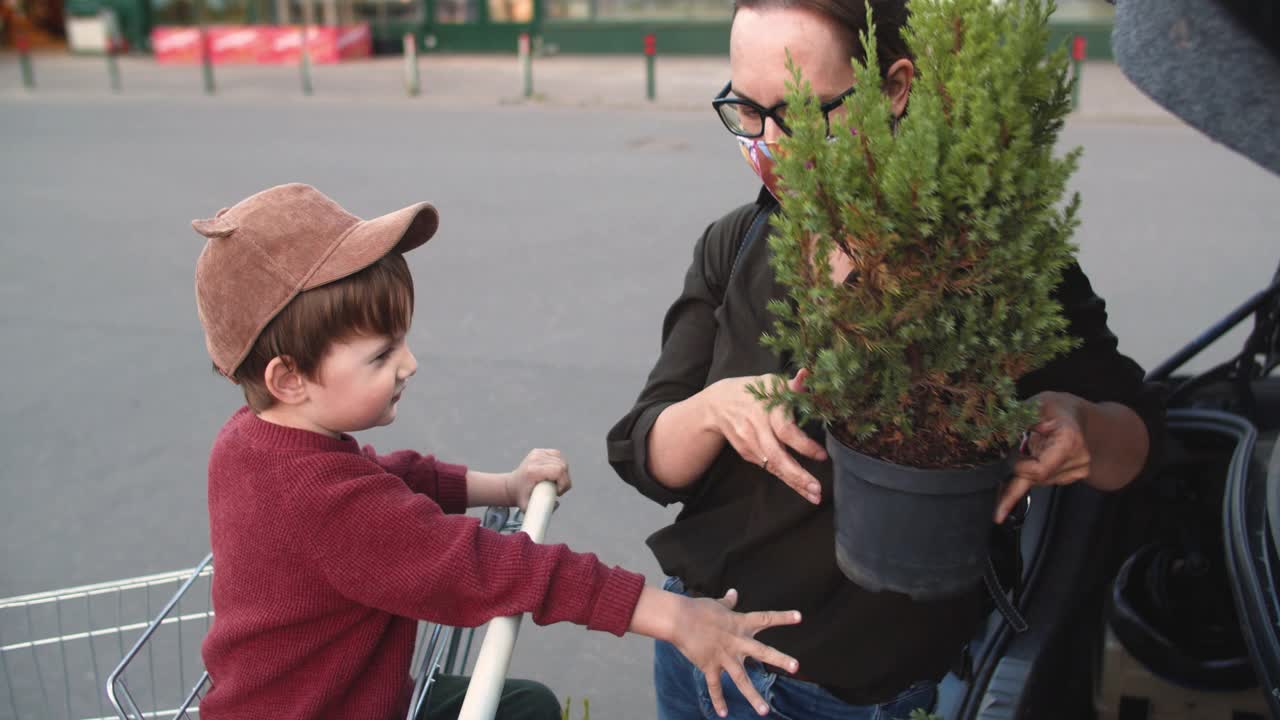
(272,246)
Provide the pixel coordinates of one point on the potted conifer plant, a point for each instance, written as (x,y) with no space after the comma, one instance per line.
(954,223)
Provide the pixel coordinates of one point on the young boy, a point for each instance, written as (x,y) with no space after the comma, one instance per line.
(327,553)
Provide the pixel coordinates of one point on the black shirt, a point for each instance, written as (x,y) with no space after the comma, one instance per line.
(743,528)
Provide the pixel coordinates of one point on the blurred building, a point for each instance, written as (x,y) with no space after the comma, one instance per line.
(570,26)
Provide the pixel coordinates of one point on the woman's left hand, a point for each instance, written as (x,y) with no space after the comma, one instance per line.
(1056,452)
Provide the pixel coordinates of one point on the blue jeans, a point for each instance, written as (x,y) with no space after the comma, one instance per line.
(681,691)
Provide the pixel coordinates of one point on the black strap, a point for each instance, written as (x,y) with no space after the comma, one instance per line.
(1001,598)
(1006,598)
(755,230)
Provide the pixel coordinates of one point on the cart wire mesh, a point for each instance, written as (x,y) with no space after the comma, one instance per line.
(58,648)
(139,639)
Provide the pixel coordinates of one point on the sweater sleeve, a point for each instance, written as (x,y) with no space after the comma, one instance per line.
(1096,370)
(688,340)
(383,545)
(443,482)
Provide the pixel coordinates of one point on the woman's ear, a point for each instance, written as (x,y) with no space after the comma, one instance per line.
(285,383)
(898,85)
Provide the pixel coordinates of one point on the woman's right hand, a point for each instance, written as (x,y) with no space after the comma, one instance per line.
(762,436)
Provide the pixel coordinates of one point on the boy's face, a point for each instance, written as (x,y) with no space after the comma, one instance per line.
(359,382)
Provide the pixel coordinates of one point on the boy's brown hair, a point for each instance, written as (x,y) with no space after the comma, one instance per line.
(377,300)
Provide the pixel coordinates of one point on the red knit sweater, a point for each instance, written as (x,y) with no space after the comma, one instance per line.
(325,555)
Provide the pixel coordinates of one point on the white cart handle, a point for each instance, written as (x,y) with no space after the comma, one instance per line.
(481,702)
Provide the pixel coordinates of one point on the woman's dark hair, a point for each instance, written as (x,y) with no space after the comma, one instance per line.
(889,16)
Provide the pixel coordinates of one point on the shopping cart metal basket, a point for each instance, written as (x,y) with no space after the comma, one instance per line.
(138,639)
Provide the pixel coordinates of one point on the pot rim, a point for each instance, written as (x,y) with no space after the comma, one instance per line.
(920,481)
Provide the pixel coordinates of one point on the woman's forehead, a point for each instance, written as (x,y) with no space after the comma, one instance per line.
(761,40)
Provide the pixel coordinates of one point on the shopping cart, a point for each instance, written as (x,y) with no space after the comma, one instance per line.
(139,639)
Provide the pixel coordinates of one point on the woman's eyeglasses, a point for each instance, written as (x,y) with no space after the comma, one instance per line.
(745,118)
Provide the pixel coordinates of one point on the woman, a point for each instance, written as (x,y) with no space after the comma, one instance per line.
(755,487)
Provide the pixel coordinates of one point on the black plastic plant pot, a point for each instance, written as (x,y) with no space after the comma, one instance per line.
(920,532)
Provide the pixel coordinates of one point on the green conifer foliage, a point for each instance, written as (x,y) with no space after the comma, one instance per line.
(958,228)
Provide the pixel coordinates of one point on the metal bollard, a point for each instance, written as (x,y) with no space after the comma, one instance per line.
(206,61)
(525,52)
(412,83)
(650,57)
(113,65)
(305,63)
(24,59)
(1078,48)
(308,22)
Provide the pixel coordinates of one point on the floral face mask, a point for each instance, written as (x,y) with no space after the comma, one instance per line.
(760,155)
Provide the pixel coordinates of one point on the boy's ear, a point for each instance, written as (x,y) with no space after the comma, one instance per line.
(284,381)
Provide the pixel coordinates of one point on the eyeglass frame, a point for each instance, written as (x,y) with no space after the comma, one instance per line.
(769,113)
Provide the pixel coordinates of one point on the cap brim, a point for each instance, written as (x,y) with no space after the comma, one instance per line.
(370,240)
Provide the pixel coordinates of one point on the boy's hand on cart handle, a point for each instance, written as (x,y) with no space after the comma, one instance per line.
(540,465)
(714,638)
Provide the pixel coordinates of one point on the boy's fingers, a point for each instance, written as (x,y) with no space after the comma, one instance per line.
(552,470)
(747,689)
(730,599)
(770,656)
(772,618)
(716,693)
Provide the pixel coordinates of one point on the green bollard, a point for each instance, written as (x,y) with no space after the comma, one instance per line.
(650,57)
(1078,47)
(24,59)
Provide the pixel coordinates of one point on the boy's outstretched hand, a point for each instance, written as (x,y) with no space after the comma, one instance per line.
(538,466)
(714,638)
